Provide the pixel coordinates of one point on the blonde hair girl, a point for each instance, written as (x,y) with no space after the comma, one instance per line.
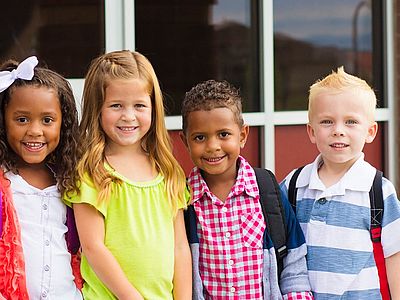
(132,190)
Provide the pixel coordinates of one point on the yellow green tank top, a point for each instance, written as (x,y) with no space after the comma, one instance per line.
(139,232)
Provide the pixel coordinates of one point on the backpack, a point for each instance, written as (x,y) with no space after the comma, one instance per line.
(376,206)
(272,209)
(273,212)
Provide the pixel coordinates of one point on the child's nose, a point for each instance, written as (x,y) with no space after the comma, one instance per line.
(129,114)
(338,130)
(213,144)
(35,129)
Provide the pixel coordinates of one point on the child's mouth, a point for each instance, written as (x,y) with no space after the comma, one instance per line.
(339,145)
(33,146)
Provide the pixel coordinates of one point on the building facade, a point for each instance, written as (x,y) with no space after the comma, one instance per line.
(272,50)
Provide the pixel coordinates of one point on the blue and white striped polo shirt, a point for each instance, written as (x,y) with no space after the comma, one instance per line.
(336,222)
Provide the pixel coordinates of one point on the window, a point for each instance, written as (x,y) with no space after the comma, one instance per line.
(312,38)
(192,41)
(65,35)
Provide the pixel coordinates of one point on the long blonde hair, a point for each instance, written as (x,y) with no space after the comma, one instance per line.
(125,65)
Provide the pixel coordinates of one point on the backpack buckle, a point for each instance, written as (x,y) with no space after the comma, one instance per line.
(376,234)
(282,252)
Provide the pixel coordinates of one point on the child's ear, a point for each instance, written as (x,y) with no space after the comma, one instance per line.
(372,131)
(311,133)
(244,133)
(183,138)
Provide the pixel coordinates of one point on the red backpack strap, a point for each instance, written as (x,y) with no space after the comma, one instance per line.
(376,202)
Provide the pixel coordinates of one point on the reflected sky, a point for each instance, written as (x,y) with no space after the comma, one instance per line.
(324,23)
(224,11)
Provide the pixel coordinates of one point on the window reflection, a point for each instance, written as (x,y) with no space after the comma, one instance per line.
(192,41)
(66,35)
(312,38)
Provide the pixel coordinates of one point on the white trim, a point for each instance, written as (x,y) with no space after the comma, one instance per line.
(114,29)
(77,89)
(278,118)
(129,24)
(389,62)
(267,83)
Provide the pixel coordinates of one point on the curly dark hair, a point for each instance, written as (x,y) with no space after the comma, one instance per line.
(212,94)
(65,157)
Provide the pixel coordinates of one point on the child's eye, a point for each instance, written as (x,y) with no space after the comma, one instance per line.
(199,138)
(140,105)
(326,122)
(22,120)
(116,105)
(351,122)
(224,134)
(47,120)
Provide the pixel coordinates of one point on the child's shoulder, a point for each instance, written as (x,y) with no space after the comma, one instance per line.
(300,175)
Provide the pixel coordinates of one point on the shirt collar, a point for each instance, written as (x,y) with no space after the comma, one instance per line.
(244,181)
(358,178)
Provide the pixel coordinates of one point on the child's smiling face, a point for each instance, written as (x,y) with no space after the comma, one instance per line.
(33,121)
(340,125)
(214,139)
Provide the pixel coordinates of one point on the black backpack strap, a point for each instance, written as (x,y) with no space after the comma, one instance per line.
(273,211)
(191,224)
(376,203)
(292,192)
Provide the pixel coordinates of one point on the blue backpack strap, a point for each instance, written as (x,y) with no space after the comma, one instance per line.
(292,192)
(274,213)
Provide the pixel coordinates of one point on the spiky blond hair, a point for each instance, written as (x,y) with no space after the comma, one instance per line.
(339,82)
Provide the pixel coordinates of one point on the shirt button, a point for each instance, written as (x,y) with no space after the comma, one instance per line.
(322,201)
(228,234)
(231,262)
(233,289)
(44,206)
(47,242)
(46,268)
(44,294)
(224,209)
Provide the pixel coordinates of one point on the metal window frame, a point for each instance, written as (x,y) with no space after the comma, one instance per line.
(120,34)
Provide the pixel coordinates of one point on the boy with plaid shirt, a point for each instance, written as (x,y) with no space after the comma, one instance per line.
(233,256)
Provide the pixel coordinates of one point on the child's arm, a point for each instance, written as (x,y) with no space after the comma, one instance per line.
(393,274)
(90,224)
(183,263)
(294,282)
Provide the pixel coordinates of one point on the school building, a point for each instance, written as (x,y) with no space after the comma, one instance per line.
(273,50)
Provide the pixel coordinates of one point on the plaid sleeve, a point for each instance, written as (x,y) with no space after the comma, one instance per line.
(298,295)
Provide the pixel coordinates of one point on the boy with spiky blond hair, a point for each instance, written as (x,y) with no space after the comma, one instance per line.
(332,196)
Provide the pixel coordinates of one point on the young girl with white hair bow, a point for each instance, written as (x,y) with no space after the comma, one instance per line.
(38,155)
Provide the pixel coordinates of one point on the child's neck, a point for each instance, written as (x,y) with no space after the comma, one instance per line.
(37,175)
(133,165)
(219,186)
(331,174)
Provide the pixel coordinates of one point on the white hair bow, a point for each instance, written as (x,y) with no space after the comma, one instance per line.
(23,71)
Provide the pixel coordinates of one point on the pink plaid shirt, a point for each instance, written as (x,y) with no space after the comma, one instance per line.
(231,238)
